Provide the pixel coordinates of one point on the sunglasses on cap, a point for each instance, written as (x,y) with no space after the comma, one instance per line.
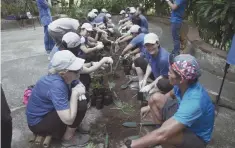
(75,71)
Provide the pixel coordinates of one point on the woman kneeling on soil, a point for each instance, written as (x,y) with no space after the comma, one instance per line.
(54,108)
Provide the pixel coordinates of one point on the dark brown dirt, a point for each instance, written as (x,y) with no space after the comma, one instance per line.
(113,119)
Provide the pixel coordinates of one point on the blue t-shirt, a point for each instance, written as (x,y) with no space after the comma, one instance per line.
(177,15)
(144,22)
(50,93)
(231,53)
(98,20)
(160,63)
(138,42)
(101,14)
(196,111)
(144,30)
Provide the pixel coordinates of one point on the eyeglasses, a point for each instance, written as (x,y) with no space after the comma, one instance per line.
(76,72)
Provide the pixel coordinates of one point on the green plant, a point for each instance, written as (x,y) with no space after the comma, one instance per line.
(124,107)
(111,85)
(215,20)
(91,145)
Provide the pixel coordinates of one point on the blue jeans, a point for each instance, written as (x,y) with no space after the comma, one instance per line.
(48,42)
(175,30)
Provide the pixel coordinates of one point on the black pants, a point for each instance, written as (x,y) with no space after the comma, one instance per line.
(6,133)
(52,125)
(142,63)
(6,122)
(163,84)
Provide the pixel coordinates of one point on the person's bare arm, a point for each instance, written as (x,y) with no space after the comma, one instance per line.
(147,72)
(137,50)
(91,39)
(127,38)
(68,115)
(171,94)
(88,50)
(86,70)
(155,81)
(168,129)
(126,49)
(91,44)
(172,5)
(124,20)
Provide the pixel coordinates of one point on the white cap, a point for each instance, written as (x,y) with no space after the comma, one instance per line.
(94,10)
(122,12)
(108,15)
(150,38)
(87,26)
(104,10)
(66,60)
(132,10)
(72,39)
(91,14)
(134,29)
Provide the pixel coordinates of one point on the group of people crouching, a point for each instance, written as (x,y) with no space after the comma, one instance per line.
(178,103)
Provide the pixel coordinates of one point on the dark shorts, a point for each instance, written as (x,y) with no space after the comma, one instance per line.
(190,140)
(52,125)
(143,63)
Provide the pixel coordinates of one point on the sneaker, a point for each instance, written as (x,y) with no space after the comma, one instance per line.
(78,140)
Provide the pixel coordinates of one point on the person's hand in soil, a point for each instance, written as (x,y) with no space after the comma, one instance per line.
(126,55)
(107,60)
(144,111)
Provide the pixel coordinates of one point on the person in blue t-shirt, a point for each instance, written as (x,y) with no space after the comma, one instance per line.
(136,44)
(136,20)
(144,21)
(178,9)
(46,19)
(154,65)
(77,45)
(185,115)
(54,108)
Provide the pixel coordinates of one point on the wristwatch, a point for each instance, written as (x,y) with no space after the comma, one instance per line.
(128,143)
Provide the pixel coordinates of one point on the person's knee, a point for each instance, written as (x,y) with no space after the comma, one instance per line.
(157,99)
(82,106)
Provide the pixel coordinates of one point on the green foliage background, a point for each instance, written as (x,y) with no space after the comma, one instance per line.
(214,18)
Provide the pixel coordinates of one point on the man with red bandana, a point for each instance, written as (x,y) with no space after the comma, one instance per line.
(185,114)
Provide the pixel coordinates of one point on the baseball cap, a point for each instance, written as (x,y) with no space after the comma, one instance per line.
(104,10)
(134,29)
(94,10)
(186,66)
(151,38)
(108,15)
(132,10)
(91,14)
(66,60)
(87,26)
(71,39)
(122,12)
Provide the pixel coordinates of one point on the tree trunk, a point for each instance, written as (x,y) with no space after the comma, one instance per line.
(71,2)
